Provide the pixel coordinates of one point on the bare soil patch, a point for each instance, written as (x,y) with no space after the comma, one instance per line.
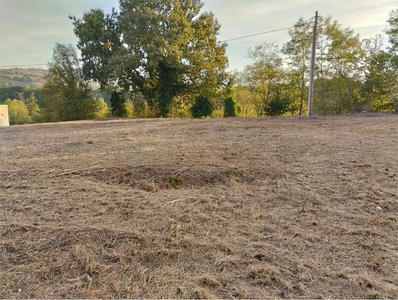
(215,208)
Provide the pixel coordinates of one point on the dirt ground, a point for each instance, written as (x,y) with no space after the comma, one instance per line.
(281,207)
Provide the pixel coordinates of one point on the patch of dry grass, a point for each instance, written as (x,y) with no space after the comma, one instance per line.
(217,208)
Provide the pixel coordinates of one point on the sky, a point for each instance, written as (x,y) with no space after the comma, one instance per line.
(29,29)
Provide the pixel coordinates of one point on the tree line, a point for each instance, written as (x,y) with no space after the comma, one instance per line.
(163,59)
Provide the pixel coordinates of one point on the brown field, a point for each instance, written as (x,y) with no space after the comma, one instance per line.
(215,208)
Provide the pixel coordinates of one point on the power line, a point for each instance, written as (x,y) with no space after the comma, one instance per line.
(261,33)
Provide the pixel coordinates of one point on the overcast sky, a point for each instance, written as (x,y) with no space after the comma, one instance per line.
(29,29)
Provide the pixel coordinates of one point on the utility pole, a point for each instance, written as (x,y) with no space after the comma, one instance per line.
(311,87)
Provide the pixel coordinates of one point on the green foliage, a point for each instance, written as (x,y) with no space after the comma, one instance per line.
(338,72)
(160,49)
(350,74)
(176,181)
(298,50)
(248,101)
(264,74)
(118,104)
(34,109)
(168,87)
(17,92)
(3,84)
(18,112)
(140,106)
(179,108)
(102,110)
(380,78)
(278,105)
(202,107)
(229,107)
(129,109)
(105,95)
(66,95)
(392,31)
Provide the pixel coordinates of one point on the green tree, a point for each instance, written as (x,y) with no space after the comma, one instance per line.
(202,107)
(33,108)
(102,110)
(162,49)
(118,104)
(229,107)
(18,112)
(265,73)
(66,95)
(298,50)
(338,73)
(246,97)
(278,105)
(140,106)
(392,31)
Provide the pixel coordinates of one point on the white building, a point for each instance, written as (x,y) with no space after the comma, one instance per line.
(4,120)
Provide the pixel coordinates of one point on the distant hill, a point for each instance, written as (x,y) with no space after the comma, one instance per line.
(32,78)
(19,83)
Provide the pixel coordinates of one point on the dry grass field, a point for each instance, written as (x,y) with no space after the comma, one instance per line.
(215,208)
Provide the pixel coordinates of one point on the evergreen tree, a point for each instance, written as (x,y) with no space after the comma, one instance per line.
(33,108)
(278,105)
(229,107)
(118,104)
(202,107)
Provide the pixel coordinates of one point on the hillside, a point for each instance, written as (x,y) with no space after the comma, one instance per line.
(32,77)
(218,208)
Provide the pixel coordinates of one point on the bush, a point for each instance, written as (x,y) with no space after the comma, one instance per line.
(102,110)
(229,108)
(278,106)
(202,107)
(118,104)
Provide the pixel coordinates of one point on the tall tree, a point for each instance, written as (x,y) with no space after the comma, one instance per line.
(66,95)
(392,32)
(298,50)
(337,67)
(118,104)
(33,108)
(162,49)
(265,73)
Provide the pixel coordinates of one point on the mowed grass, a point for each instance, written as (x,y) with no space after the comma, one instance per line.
(215,208)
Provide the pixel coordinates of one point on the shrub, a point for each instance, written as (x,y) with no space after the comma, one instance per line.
(229,108)
(102,110)
(278,106)
(118,104)
(202,107)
